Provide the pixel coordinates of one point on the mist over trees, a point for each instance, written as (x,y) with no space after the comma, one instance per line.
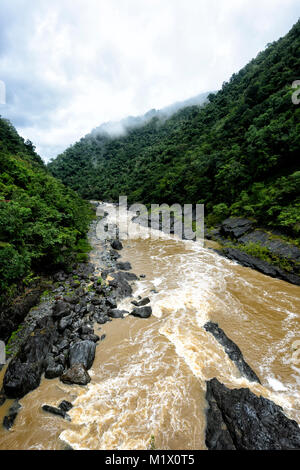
(239,154)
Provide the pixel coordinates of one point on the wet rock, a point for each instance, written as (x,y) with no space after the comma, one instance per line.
(53,371)
(116,245)
(86,330)
(82,352)
(130,276)
(106,273)
(115,313)
(276,246)
(2,397)
(24,371)
(65,406)
(262,266)
(61,359)
(65,323)
(56,411)
(233,351)
(91,337)
(144,312)
(141,303)
(235,227)
(111,302)
(212,234)
(63,345)
(72,299)
(61,309)
(76,375)
(10,418)
(238,419)
(124,266)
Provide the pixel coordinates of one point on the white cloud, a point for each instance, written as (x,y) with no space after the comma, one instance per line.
(70,65)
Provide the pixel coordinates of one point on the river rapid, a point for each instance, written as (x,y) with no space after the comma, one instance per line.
(149,376)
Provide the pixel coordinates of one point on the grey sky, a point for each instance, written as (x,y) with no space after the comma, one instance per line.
(70,65)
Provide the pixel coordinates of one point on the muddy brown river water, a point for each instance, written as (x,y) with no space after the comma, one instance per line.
(148,379)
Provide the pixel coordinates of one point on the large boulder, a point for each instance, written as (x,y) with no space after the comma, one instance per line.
(238,419)
(82,352)
(76,375)
(233,351)
(10,418)
(235,227)
(120,284)
(144,312)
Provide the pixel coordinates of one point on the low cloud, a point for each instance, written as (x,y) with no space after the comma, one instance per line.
(70,65)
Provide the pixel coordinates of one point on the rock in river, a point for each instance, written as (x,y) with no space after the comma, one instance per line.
(76,375)
(238,419)
(9,419)
(82,352)
(233,351)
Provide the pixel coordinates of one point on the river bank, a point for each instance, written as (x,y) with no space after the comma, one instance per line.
(150,376)
(253,247)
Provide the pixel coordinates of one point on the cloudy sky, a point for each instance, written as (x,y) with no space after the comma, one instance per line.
(70,65)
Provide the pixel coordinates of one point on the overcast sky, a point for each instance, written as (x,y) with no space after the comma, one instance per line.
(70,65)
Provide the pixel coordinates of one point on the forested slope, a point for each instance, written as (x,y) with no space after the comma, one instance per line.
(239,154)
(41,221)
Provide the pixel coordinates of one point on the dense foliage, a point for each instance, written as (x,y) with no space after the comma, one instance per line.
(239,154)
(41,221)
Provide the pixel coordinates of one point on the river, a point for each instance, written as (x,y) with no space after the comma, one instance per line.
(148,379)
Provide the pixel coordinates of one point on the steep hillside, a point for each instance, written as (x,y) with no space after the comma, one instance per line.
(239,154)
(41,221)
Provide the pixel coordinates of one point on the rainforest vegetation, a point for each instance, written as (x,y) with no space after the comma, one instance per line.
(239,154)
(43,224)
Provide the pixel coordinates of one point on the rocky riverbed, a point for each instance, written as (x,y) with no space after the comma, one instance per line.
(57,337)
(58,340)
(255,248)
